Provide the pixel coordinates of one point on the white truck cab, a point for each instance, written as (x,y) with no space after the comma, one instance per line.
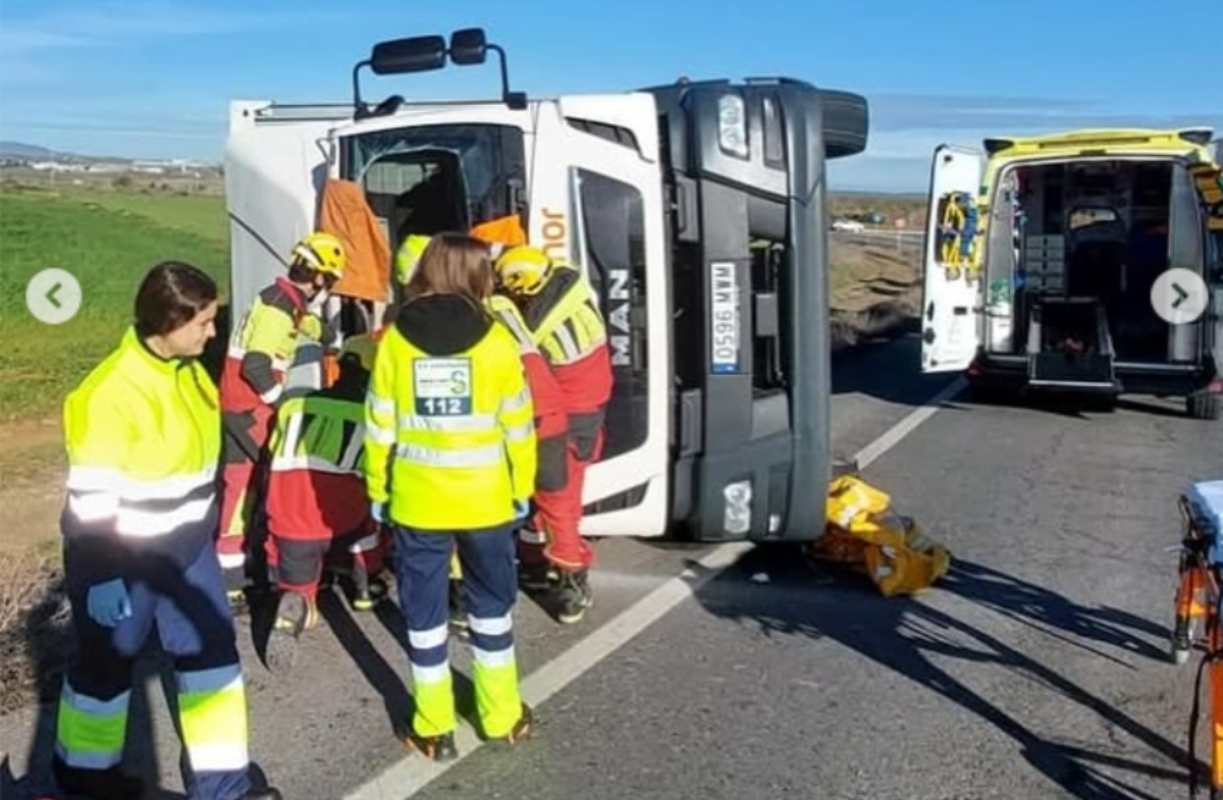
(695,210)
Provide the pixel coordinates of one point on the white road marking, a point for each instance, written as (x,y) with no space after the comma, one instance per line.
(906,426)
(410,774)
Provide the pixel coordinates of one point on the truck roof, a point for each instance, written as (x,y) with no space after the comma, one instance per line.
(1108,140)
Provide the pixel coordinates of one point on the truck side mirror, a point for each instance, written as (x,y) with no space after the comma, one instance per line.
(468,46)
(516,101)
(417,54)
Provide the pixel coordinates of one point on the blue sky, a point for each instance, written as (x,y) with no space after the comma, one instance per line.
(153,77)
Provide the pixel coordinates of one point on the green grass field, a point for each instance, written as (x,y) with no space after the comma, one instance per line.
(108,240)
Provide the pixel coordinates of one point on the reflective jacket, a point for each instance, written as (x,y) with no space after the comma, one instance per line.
(449,411)
(568,329)
(143,436)
(551,422)
(262,347)
(316,486)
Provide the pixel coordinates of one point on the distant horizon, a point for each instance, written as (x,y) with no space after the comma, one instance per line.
(842,189)
(157,77)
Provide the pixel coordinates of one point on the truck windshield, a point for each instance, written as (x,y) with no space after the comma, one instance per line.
(430,178)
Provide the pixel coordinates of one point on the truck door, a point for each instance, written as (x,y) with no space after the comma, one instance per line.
(596,201)
(951,305)
(274,169)
(276,160)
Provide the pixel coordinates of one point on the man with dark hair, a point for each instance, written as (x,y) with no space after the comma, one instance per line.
(261,351)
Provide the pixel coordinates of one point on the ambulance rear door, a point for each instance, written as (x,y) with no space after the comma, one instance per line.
(951,318)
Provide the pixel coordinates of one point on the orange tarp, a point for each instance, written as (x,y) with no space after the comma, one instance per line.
(345,214)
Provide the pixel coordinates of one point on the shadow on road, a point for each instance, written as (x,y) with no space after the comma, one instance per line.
(912,638)
(888,371)
(377,672)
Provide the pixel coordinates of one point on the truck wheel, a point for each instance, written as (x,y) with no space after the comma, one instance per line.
(1103,404)
(1203,405)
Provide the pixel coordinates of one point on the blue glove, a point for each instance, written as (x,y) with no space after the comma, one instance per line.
(521,509)
(378,512)
(108,603)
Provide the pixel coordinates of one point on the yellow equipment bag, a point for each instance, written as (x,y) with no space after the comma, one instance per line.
(909,568)
(851,498)
(865,534)
(840,547)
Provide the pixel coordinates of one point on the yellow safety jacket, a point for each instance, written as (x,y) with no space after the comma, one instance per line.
(143,436)
(449,411)
(564,318)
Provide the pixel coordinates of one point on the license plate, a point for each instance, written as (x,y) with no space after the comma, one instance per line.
(724,317)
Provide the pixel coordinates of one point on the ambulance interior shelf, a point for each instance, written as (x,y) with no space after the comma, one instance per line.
(1093,229)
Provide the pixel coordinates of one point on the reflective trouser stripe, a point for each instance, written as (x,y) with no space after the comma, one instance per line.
(364,544)
(89,733)
(498,703)
(528,536)
(212,713)
(433,698)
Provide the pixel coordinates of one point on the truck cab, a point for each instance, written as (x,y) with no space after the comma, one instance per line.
(1050,262)
(696,212)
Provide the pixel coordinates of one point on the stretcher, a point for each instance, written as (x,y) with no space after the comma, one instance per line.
(1198,617)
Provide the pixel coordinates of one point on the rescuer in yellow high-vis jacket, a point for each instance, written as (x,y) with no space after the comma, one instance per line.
(143,434)
(450,463)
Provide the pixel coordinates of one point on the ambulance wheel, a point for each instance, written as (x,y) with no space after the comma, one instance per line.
(1203,405)
(988,393)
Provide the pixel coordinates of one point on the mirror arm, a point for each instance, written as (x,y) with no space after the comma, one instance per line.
(359,110)
(505,75)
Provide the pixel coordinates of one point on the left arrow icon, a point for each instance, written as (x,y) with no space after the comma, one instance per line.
(53,296)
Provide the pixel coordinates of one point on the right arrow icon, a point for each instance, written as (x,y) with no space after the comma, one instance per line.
(1179,296)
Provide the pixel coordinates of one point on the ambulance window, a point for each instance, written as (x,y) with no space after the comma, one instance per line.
(613,253)
(1185,246)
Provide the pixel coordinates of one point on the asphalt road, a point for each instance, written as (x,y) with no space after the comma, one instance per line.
(1036,669)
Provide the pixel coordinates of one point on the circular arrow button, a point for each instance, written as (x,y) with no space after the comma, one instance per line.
(53,296)
(1179,296)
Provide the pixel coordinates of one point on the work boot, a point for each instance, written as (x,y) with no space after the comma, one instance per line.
(293,613)
(362,600)
(103,784)
(237,601)
(572,597)
(536,577)
(522,728)
(458,614)
(435,748)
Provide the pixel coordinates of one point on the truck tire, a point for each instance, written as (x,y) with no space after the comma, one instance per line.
(1203,405)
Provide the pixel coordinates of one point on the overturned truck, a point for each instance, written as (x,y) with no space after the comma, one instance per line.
(696,210)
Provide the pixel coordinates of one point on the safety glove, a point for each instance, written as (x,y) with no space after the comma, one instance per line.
(108,603)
